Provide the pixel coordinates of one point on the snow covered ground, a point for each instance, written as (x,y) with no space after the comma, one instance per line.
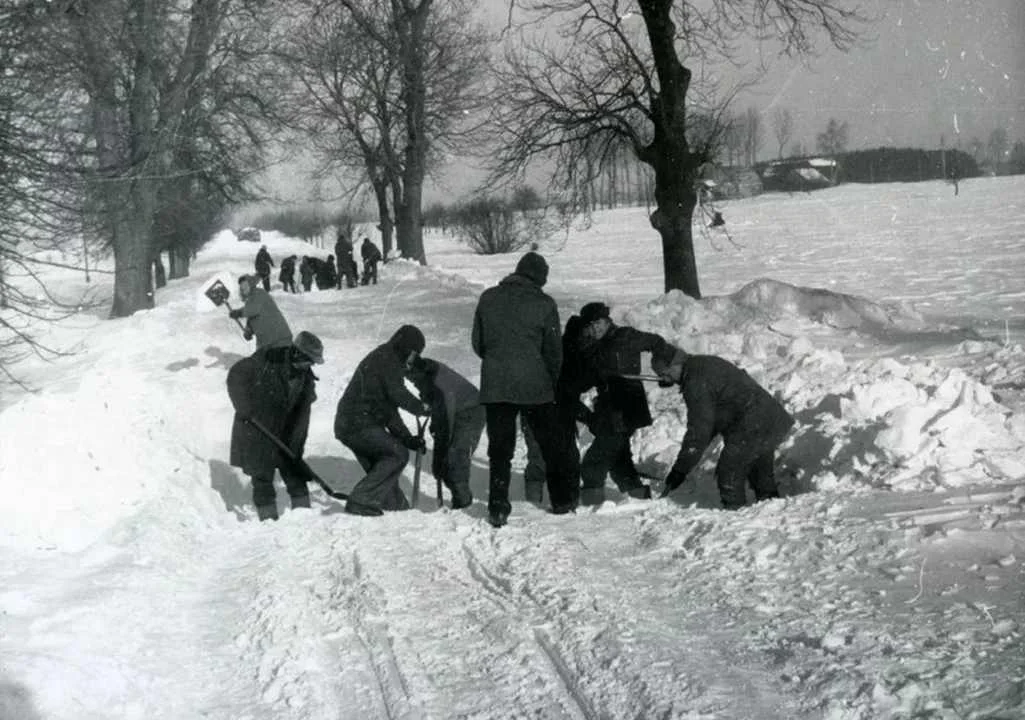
(888,583)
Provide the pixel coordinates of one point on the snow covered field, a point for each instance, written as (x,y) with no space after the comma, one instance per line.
(888,583)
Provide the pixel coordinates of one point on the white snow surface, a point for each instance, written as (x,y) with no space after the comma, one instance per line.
(887,583)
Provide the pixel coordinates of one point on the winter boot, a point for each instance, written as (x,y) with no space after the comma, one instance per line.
(641,492)
(267,512)
(461,497)
(498,519)
(592,496)
(357,508)
(300,501)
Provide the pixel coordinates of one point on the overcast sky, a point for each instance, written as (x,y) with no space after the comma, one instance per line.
(937,71)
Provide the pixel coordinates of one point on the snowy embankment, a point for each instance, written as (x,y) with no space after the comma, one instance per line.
(887,584)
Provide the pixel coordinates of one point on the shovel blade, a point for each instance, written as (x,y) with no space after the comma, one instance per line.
(218,293)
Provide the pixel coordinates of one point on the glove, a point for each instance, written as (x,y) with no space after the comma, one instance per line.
(247,334)
(666,382)
(415,444)
(235,313)
(673,480)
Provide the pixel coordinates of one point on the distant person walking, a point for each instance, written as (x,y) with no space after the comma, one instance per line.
(371,257)
(367,422)
(347,273)
(517,335)
(724,400)
(263,318)
(287,274)
(275,387)
(306,273)
(263,264)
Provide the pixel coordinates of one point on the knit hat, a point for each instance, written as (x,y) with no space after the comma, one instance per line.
(533,267)
(407,339)
(594,311)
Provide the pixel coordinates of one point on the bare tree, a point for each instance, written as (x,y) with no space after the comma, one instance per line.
(753,135)
(834,139)
(996,146)
(596,74)
(782,129)
(392,82)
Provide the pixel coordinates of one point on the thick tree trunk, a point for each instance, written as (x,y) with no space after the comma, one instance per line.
(385,224)
(159,271)
(675,200)
(179,262)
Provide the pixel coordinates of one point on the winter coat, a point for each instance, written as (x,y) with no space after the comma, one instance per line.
(377,390)
(265,320)
(369,252)
(517,335)
(287,273)
(724,400)
(326,275)
(448,393)
(622,404)
(263,263)
(267,388)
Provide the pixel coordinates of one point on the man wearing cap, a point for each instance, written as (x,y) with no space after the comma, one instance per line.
(274,386)
(518,336)
(263,318)
(621,408)
(724,400)
(367,422)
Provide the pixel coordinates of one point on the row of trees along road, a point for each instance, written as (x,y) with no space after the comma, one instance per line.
(148,118)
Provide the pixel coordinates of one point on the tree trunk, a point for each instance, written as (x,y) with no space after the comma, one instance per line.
(675,201)
(384,216)
(159,271)
(178,257)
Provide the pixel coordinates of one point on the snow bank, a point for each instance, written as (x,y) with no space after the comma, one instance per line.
(877,422)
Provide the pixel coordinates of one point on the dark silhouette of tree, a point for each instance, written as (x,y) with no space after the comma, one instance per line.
(833,140)
(782,129)
(598,75)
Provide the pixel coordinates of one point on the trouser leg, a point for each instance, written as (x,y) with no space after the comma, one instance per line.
(296,484)
(501,425)
(383,457)
(544,423)
(264,496)
(731,472)
(762,476)
(466,432)
(534,473)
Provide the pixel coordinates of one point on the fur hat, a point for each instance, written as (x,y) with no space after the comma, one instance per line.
(660,363)
(533,267)
(594,311)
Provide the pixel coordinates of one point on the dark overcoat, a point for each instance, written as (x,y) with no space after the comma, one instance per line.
(266,387)
(377,389)
(722,399)
(518,337)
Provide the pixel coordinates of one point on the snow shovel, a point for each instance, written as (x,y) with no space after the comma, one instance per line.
(219,295)
(643,378)
(420,426)
(297,461)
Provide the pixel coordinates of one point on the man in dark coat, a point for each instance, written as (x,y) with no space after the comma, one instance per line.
(263,264)
(621,406)
(346,263)
(326,276)
(517,335)
(368,422)
(457,422)
(275,387)
(724,400)
(307,270)
(287,274)
(263,318)
(371,256)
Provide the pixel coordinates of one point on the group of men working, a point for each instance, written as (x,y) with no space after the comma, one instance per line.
(531,368)
(325,273)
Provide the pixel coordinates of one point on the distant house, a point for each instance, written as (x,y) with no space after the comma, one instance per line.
(723,183)
(795,174)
